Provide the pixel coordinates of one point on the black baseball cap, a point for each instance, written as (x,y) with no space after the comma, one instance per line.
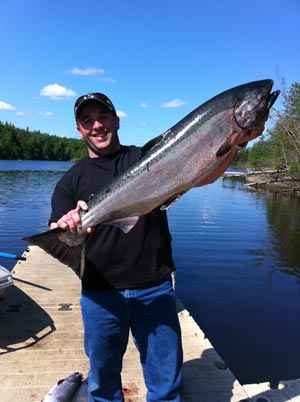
(93,97)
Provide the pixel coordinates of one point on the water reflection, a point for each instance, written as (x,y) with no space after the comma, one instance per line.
(283,218)
(283,214)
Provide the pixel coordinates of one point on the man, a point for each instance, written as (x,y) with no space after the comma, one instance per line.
(127,280)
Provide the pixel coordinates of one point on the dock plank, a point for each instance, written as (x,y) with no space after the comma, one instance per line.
(41,342)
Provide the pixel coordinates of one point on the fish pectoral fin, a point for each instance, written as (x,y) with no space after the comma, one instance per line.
(168,204)
(125,224)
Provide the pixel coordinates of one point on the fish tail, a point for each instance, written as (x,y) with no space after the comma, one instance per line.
(65,246)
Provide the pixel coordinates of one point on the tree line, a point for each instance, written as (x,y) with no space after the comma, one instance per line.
(279,147)
(16,143)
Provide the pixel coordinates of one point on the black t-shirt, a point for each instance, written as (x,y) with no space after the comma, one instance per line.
(115,260)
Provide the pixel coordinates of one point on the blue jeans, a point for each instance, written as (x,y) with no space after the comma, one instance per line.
(151,315)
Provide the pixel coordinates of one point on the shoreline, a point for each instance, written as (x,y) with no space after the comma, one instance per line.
(271,180)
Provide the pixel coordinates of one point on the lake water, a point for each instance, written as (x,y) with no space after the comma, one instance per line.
(237,253)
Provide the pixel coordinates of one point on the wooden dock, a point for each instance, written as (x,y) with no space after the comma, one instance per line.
(41,341)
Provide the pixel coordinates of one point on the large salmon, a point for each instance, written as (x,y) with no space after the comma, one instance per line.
(194,152)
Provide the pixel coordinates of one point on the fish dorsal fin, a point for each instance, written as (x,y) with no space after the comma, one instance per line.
(125,224)
(145,148)
(168,204)
(150,144)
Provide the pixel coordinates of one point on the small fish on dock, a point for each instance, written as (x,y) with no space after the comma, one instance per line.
(65,389)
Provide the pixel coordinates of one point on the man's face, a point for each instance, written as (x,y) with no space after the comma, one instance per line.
(98,127)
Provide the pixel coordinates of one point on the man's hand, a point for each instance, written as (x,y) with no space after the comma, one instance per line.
(249,135)
(72,220)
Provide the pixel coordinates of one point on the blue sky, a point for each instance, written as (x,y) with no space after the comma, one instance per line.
(157,60)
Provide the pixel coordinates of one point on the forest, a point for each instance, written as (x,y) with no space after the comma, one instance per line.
(278,148)
(16,143)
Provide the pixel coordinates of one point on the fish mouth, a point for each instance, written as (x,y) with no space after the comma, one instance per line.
(269,102)
(272,98)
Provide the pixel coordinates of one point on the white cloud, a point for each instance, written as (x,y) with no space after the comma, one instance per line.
(85,71)
(140,124)
(46,114)
(121,114)
(20,113)
(108,79)
(144,105)
(173,103)
(57,92)
(7,106)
